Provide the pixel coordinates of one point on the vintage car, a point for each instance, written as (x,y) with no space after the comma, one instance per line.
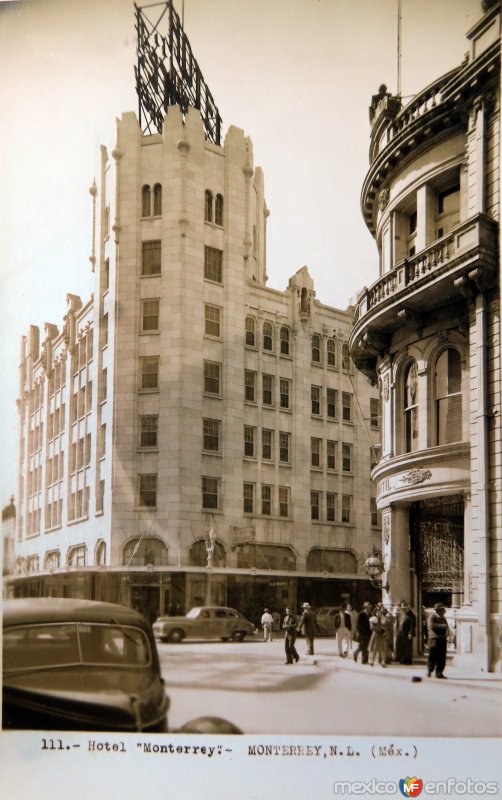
(326,617)
(80,665)
(204,622)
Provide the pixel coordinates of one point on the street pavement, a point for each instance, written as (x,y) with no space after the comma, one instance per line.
(249,684)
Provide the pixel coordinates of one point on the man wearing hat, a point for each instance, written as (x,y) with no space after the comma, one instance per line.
(438,632)
(309,627)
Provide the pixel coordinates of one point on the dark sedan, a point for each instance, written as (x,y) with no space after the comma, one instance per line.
(80,665)
(204,622)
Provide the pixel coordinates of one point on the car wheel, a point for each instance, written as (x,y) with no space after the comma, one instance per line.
(225,638)
(176,636)
(238,636)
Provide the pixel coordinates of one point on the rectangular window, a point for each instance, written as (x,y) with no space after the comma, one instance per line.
(150,315)
(266,499)
(330,506)
(100,496)
(315,452)
(284,501)
(104,332)
(267,390)
(212,377)
(284,446)
(375,516)
(248,497)
(249,439)
(267,444)
(346,406)
(212,316)
(210,493)
(211,434)
(250,386)
(150,372)
(315,499)
(88,397)
(151,257)
(331,402)
(148,430)
(285,389)
(213,260)
(331,352)
(346,457)
(80,453)
(148,491)
(102,441)
(315,399)
(374,413)
(331,454)
(103,387)
(346,507)
(87,450)
(345,357)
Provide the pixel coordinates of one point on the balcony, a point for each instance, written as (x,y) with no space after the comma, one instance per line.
(419,285)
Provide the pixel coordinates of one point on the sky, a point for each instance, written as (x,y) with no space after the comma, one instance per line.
(296,75)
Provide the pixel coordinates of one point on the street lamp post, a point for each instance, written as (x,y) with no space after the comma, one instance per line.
(210,553)
(375,569)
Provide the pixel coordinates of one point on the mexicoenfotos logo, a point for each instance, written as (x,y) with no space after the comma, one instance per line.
(410,787)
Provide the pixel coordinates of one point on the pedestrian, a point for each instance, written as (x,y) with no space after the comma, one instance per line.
(387,624)
(309,627)
(266,621)
(353,624)
(438,631)
(363,632)
(289,625)
(343,631)
(406,630)
(377,645)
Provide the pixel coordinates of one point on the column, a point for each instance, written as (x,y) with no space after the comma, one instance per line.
(396,554)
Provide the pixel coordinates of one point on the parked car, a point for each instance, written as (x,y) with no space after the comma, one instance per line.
(204,622)
(80,665)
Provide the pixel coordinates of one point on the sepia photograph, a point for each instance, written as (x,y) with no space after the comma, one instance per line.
(251,475)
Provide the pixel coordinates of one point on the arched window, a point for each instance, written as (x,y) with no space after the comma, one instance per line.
(218,209)
(146,201)
(198,554)
(266,556)
(268,336)
(284,340)
(52,559)
(77,556)
(208,206)
(331,352)
(316,348)
(157,200)
(100,558)
(331,560)
(448,397)
(250,332)
(411,408)
(144,550)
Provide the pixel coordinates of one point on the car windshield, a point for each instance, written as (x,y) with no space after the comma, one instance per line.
(58,645)
(194,612)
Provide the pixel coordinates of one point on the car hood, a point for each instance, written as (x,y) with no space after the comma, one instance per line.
(103,698)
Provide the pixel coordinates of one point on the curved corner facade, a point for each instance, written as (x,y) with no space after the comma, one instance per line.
(428,332)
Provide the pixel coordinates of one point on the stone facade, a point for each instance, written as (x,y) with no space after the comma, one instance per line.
(429,332)
(191,433)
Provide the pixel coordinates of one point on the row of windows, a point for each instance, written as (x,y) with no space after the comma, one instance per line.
(35,439)
(82,355)
(267,500)
(56,422)
(267,340)
(78,504)
(323,506)
(151,260)
(54,469)
(57,378)
(81,403)
(80,453)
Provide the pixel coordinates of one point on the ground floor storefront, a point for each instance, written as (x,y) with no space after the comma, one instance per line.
(171,591)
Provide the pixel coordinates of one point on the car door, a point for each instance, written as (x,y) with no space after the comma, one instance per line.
(203,623)
(220,622)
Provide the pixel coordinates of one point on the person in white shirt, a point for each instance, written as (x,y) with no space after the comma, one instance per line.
(266,621)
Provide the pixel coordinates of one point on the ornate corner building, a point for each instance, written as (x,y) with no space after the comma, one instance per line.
(191,434)
(428,331)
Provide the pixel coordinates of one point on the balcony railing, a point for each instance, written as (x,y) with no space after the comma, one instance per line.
(469,240)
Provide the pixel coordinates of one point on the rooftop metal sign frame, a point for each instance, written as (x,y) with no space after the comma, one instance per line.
(167,73)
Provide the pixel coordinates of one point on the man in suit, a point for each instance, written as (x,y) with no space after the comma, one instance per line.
(363,631)
(289,626)
(438,630)
(308,625)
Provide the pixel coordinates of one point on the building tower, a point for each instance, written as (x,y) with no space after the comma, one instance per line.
(428,331)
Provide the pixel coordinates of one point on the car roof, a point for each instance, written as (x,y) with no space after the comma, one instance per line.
(60,609)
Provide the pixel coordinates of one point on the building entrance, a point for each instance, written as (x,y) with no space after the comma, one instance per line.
(437,541)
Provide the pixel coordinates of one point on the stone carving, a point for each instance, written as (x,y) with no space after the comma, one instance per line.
(386,387)
(386,528)
(383,199)
(415,476)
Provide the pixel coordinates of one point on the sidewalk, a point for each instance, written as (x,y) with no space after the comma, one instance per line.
(327,657)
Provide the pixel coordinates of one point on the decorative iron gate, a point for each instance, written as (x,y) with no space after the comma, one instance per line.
(437,539)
